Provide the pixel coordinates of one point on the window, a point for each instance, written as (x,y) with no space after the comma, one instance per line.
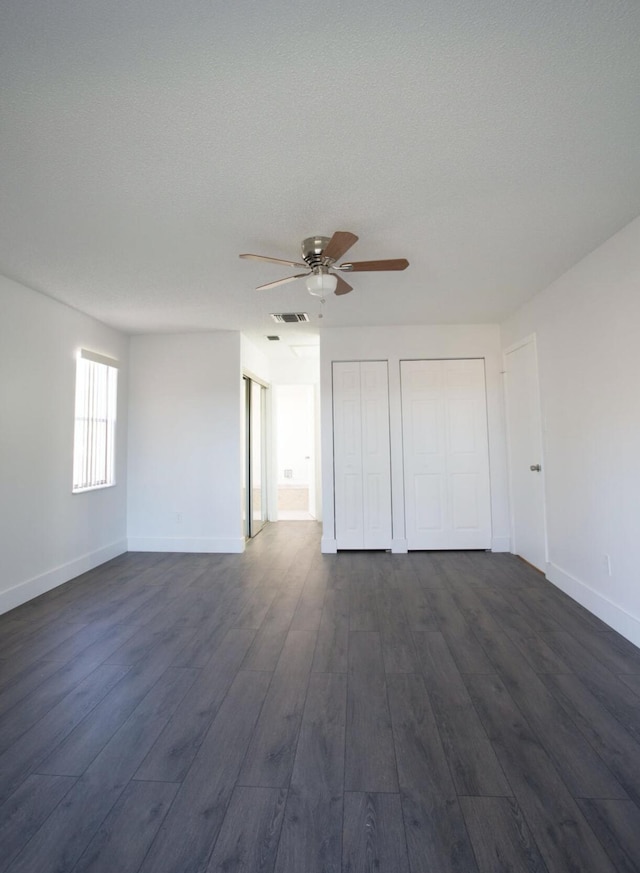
(95,422)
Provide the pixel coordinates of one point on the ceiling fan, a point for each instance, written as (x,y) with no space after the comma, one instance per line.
(320,254)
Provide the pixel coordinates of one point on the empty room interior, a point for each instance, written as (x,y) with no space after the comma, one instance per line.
(320,428)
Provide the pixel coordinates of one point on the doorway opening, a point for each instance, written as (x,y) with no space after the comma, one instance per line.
(295,427)
(254,491)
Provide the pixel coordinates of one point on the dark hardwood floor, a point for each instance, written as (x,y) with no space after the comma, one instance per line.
(287,711)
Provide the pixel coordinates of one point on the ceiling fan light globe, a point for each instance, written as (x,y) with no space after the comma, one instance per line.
(320,284)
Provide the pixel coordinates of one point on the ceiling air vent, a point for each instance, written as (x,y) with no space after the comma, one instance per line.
(289,317)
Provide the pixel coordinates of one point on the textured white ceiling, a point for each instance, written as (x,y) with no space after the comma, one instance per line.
(145,144)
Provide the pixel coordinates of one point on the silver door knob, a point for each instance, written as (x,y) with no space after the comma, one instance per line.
(535,468)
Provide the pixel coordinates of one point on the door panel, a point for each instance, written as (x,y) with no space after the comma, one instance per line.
(374,490)
(462,431)
(353,501)
(376,455)
(464,489)
(525,450)
(446,459)
(347,455)
(351,436)
(362,471)
(427,502)
(425,428)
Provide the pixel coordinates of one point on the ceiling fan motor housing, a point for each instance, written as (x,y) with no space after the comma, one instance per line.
(312,251)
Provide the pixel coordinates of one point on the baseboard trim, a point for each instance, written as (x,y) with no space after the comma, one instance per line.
(501,544)
(31,588)
(202,545)
(399,547)
(613,615)
(328,546)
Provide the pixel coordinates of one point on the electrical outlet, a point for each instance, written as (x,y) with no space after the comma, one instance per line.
(607,565)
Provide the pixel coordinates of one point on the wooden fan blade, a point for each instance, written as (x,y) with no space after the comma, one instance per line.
(273,260)
(342,287)
(281,281)
(361,266)
(339,243)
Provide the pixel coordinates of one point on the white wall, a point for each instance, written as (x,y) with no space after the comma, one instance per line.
(394,344)
(254,361)
(587,326)
(184,443)
(295,371)
(47,534)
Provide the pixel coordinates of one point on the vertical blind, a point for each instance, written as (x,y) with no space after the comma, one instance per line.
(95,421)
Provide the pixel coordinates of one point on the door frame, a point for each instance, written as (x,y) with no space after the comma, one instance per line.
(248,379)
(530,339)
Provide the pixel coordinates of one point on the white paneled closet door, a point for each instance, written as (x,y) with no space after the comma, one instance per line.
(347,449)
(362,456)
(446,455)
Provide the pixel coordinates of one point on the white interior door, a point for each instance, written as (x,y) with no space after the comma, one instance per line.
(446,456)
(362,457)
(526,475)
